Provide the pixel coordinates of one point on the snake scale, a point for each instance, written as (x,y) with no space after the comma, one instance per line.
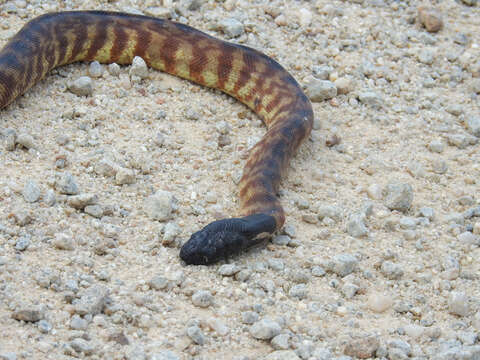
(253,78)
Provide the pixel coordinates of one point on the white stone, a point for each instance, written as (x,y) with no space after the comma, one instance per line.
(83,86)
(265,329)
(160,205)
(139,68)
(379,303)
(458,303)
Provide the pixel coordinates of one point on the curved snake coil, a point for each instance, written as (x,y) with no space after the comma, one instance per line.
(251,77)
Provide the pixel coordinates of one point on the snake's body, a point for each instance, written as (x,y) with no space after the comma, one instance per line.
(256,80)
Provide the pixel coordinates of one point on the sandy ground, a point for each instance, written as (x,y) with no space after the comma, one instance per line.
(354,277)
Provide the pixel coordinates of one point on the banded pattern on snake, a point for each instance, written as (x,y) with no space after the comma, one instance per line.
(253,78)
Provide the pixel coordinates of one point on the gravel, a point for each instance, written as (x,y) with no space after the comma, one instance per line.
(398,196)
(363,348)
(265,329)
(231,27)
(83,86)
(138,68)
(473,125)
(321,90)
(282,355)
(202,298)
(343,264)
(356,226)
(458,303)
(25,140)
(66,184)
(160,205)
(370,98)
(92,301)
(377,258)
(196,334)
(31,191)
(29,313)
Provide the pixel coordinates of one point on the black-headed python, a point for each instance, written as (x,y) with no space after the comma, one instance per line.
(251,77)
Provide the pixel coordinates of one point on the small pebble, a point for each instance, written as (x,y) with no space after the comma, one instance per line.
(458,303)
(95,69)
(63,241)
(22,243)
(265,329)
(158,282)
(290,230)
(82,346)
(44,326)
(66,184)
(202,298)
(414,331)
(138,68)
(322,71)
(32,313)
(160,205)
(436,146)
(356,226)
(228,269)
(343,85)
(94,210)
(159,11)
(461,141)
(106,167)
(398,196)
(170,233)
(10,141)
(249,317)
(114,69)
(318,271)
(374,192)
(467,237)
(81,201)
(83,86)
(379,303)
(218,326)
(473,125)
(370,98)
(454,109)
(26,140)
(320,90)
(282,240)
(77,323)
(329,211)
(298,291)
(196,334)
(476,86)
(349,290)
(391,270)
(426,56)
(343,264)
(430,18)
(427,212)
(22,218)
(281,342)
(304,16)
(231,27)
(92,301)
(163,355)
(282,355)
(124,176)
(362,348)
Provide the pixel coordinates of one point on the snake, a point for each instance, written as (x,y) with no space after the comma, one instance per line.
(248,75)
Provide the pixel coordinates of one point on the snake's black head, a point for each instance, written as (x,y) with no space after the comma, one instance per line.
(223,238)
(211,243)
